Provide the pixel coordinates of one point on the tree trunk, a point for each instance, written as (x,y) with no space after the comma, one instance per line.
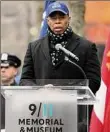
(77,12)
(39,13)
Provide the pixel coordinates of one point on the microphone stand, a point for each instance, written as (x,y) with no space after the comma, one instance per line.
(84,108)
(67,56)
(68,60)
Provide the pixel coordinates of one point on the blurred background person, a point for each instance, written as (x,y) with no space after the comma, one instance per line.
(9,69)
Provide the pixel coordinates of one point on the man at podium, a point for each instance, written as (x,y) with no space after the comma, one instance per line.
(61,54)
(46,58)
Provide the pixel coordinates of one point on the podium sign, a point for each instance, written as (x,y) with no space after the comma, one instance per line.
(56,108)
(40,110)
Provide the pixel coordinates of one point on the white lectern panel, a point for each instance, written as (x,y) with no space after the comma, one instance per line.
(43,110)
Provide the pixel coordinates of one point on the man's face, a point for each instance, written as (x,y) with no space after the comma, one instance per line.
(58,22)
(8,73)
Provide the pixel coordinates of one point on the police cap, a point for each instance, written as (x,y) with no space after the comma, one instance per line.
(10,60)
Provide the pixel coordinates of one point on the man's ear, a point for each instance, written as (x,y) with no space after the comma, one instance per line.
(47,20)
(15,71)
(69,19)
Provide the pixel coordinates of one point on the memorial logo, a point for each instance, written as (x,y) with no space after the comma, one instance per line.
(41,119)
(42,109)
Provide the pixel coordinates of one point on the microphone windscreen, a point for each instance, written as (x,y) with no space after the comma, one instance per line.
(57,46)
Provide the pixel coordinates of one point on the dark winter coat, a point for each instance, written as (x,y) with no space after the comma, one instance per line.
(38,65)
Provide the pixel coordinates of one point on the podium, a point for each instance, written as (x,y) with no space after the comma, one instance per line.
(48,107)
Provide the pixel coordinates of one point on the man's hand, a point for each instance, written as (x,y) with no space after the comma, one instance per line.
(48,86)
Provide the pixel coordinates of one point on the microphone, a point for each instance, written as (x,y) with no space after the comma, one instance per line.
(67,52)
(70,54)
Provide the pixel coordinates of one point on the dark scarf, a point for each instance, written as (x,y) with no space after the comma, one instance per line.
(63,39)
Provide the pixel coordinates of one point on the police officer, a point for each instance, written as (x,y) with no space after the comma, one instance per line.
(9,69)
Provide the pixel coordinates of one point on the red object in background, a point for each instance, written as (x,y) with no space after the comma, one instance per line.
(97,33)
(100,120)
(97,18)
(106,78)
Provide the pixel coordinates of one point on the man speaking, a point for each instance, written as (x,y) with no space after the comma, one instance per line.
(44,61)
(61,54)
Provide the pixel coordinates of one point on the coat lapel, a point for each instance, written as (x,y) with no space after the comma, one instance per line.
(73,42)
(45,47)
